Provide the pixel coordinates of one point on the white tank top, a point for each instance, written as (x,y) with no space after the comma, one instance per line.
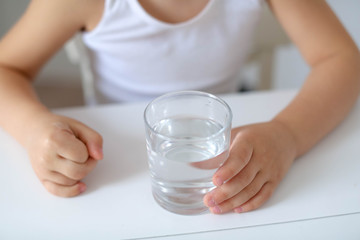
(136,57)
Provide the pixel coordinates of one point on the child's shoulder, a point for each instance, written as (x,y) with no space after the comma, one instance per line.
(86,12)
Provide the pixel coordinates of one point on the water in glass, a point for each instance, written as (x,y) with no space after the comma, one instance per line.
(184,153)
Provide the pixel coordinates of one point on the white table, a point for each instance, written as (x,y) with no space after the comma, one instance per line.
(319,198)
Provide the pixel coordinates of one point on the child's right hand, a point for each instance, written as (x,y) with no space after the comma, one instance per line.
(62,152)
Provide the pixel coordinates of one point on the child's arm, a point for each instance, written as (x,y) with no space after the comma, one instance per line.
(62,151)
(262,153)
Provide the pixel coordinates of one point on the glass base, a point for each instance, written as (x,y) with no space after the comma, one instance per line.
(179,208)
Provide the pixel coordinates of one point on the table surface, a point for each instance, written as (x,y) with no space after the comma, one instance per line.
(319,197)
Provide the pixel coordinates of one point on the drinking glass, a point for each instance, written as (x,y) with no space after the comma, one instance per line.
(187,139)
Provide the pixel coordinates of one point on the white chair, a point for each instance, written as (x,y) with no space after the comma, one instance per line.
(77,54)
(269,36)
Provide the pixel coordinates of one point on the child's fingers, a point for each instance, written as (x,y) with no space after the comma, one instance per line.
(92,140)
(69,147)
(233,186)
(64,191)
(241,197)
(59,179)
(258,200)
(240,154)
(211,163)
(73,170)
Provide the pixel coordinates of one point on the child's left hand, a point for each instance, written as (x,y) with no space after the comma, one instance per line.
(260,156)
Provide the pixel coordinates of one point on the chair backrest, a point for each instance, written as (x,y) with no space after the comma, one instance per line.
(78,54)
(269,36)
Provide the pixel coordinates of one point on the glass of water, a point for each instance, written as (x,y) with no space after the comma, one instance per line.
(187,138)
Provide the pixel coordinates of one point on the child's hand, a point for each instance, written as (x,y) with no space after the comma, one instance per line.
(63,151)
(260,156)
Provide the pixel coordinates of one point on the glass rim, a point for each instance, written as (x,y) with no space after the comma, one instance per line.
(190,93)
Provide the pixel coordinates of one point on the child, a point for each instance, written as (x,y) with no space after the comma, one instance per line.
(140,49)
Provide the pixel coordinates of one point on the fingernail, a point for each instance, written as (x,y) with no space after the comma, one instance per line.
(238,210)
(218,181)
(211,203)
(216,210)
(82,187)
